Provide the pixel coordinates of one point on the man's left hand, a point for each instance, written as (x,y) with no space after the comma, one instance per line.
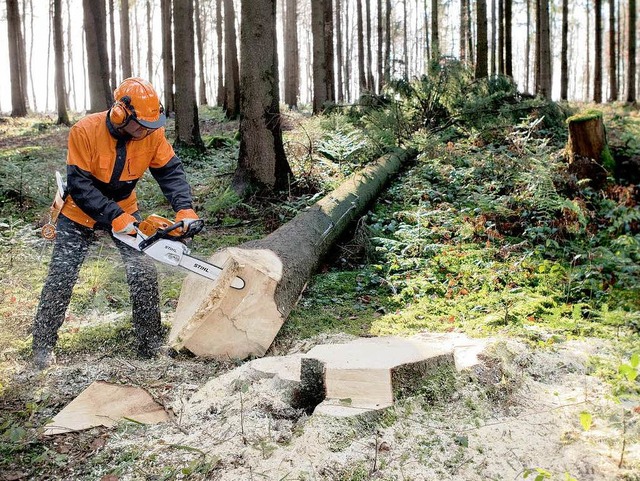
(187,216)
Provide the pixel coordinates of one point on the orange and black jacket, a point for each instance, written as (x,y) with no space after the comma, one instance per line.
(103,167)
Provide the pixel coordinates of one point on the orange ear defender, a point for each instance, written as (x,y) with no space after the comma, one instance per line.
(121,111)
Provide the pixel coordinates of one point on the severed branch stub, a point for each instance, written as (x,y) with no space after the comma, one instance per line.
(213,320)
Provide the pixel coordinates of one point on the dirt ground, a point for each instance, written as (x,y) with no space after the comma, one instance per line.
(517,413)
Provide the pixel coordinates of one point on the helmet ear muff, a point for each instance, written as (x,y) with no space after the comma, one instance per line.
(121,111)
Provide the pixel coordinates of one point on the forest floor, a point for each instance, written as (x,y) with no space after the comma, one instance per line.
(556,396)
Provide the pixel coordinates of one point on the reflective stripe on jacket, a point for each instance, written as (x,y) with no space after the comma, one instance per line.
(103,168)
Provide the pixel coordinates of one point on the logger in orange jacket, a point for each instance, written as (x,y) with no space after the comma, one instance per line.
(108,152)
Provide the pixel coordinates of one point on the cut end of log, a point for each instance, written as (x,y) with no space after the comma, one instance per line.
(214,321)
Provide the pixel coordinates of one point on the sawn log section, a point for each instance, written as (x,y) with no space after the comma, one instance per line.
(214,320)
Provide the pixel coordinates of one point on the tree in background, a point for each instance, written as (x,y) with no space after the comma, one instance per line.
(17,60)
(339,51)
(202,88)
(95,29)
(262,163)
(149,41)
(435,34)
(220,89)
(597,70)
(564,62)
(291,57)
(543,49)
(167,55)
(482,49)
(361,71)
(231,69)
(58,48)
(613,58)
(631,54)
(187,124)
(508,38)
(322,71)
(125,39)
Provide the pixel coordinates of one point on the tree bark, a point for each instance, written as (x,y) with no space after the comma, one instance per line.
(58,47)
(220,92)
(339,52)
(149,43)
(362,74)
(631,54)
(213,320)
(435,34)
(262,164)
(202,89)
(370,82)
(380,66)
(508,39)
(482,48)
(320,72)
(125,39)
(597,74)
(231,68)
(112,44)
(564,62)
(16,58)
(405,46)
(613,58)
(328,50)
(291,57)
(187,123)
(493,39)
(501,68)
(167,55)
(95,29)
(543,54)
(387,42)
(589,155)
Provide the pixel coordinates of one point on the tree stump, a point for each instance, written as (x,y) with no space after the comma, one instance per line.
(588,153)
(214,320)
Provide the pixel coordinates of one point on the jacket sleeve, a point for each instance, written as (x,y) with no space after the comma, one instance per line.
(81,184)
(174,185)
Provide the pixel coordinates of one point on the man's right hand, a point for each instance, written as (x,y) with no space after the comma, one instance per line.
(124,224)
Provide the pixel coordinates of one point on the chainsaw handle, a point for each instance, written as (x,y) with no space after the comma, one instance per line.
(194,227)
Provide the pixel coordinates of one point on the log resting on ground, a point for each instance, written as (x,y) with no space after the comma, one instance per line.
(214,320)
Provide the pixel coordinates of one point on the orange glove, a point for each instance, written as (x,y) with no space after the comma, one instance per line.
(187,216)
(124,224)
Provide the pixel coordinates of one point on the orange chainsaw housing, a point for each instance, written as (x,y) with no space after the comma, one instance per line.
(153,223)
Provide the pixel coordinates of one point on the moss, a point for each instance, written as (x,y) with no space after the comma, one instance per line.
(591,114)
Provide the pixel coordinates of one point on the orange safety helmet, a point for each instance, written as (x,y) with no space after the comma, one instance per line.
(136,99)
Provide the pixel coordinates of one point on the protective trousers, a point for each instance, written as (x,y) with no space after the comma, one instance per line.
(70,249)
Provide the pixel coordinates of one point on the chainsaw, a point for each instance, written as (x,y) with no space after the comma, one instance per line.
(160,239)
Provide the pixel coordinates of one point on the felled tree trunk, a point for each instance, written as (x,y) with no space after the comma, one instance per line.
(589,155)
(214,320)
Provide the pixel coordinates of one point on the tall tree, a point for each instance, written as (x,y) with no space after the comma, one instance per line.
(328,50)
(187,124)
(597,74)
(631,53)
(262,163)
(543,50)
(527,49)
(435,34)
(361,53)
(564,58)
(494,61)
(501,69)
(508,38)
(482,49)
(231,68)
(112,44)
(125,39)
(17,58)
(220,91)
(380,67)
(58,47)
(149,42)
(370,81)
(405,42)
(387,41)
(463,30)
(202,90)
(291,56)
(613,73)
(95,29)
(167,55)
(339,52)
(321,93)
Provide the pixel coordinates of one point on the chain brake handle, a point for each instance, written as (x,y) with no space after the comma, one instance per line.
(194,228)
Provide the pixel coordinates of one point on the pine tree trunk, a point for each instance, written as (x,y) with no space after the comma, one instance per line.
(482,48)
(380,66)
(387,39)
(202,88)
(220,93)
(527,49)
(328,50)
(213,320)
(58,47)
(588,153)
(112,45)
(435,34)
(494,60)
(508,40)
(187,123)
(125,39)
(564,63)
(501,68)
(613,74)
(320,94)
(291,57)
(149,43)
(361,52)
(370,83)
(543,54)
(262,164)
(631,54)
(18,82)
(231,69)
(339,53)
(405,45)
(167,55)
(463,31)
(97,58)
(597,74)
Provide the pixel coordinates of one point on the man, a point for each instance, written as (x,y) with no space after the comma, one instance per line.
(108,152)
